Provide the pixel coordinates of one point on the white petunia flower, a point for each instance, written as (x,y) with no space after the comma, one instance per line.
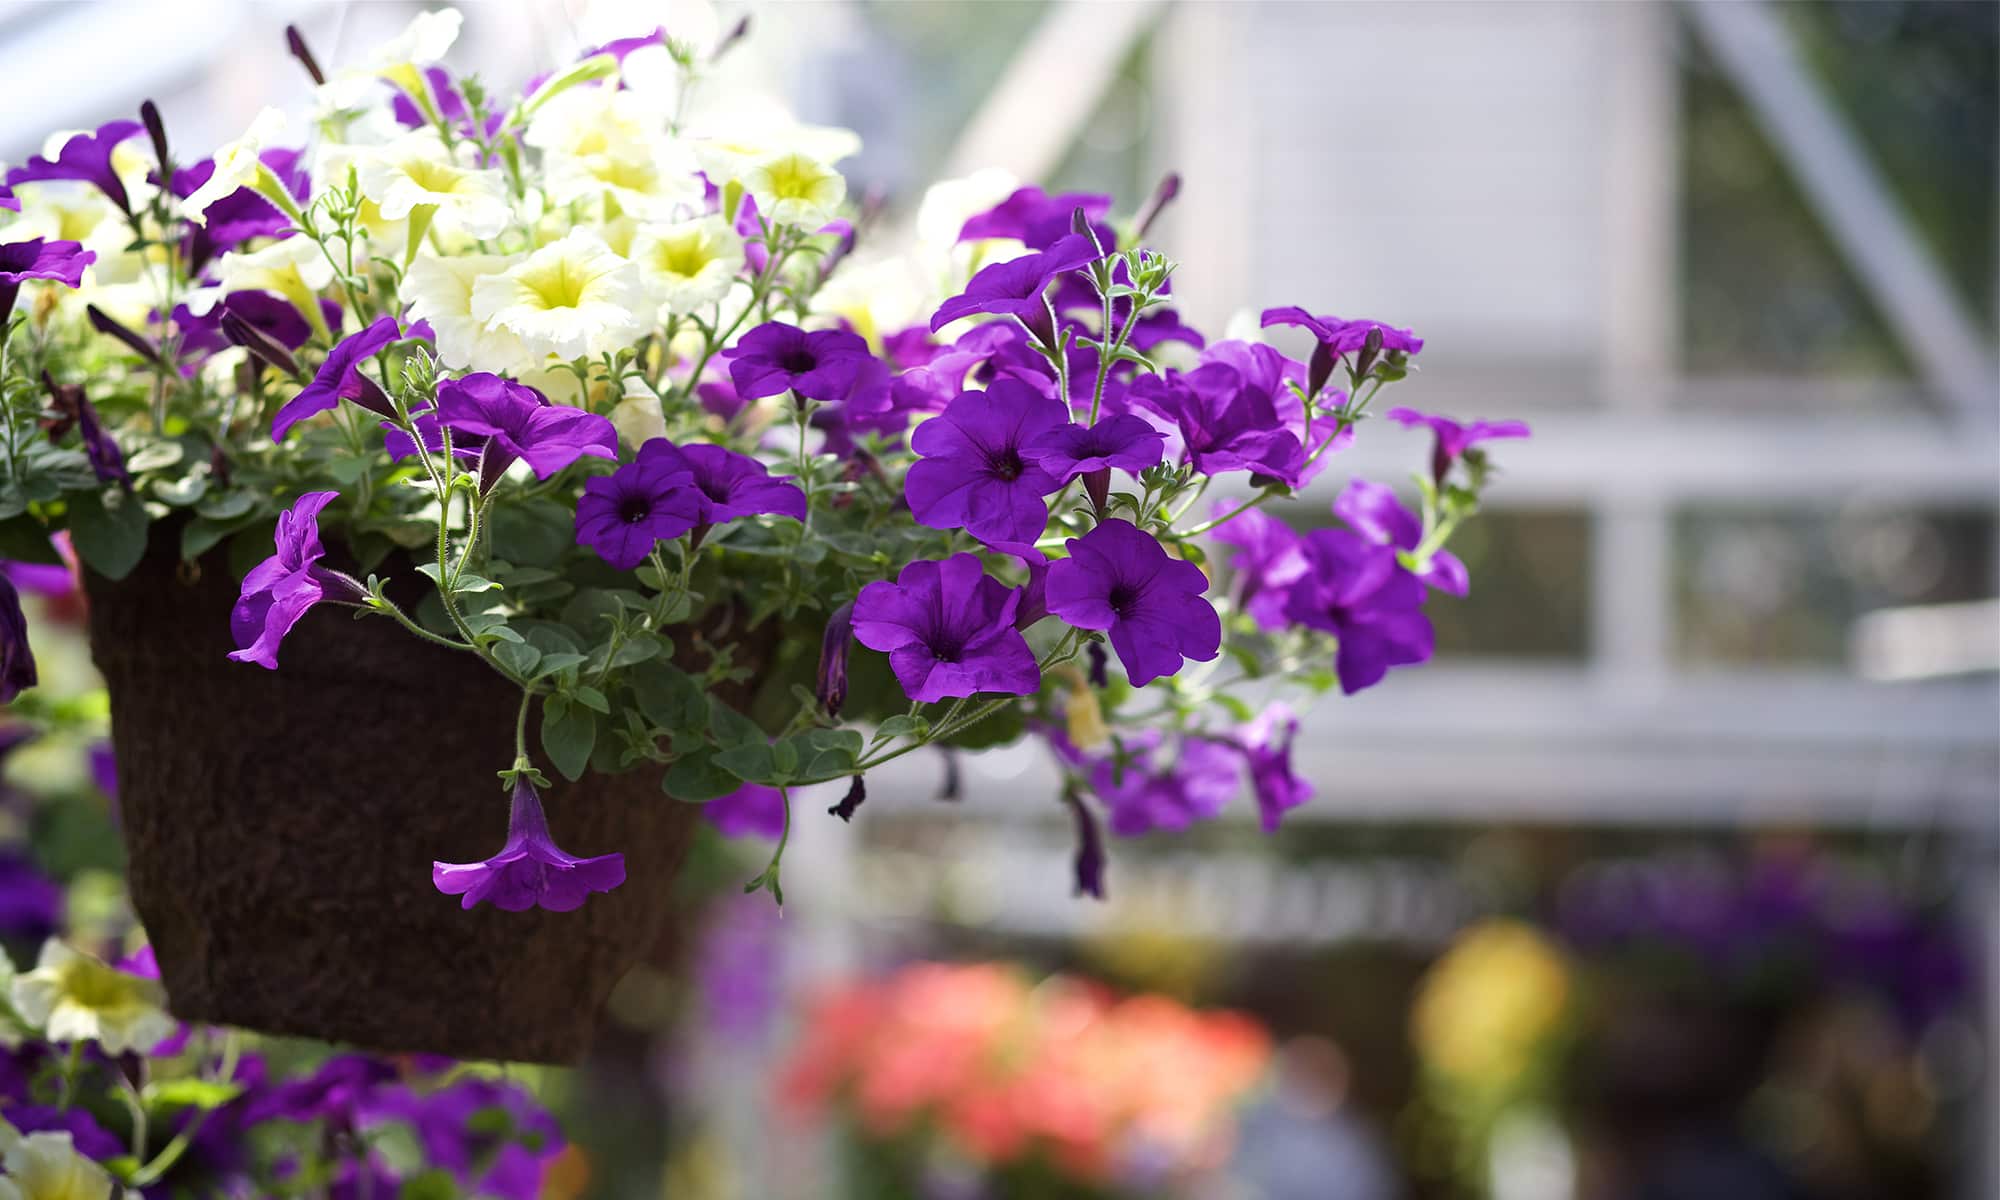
(750,135)
(419,171)
(638,417)
(294,267)
(949,203)
(876,297)
(689,265)
(401,60)
(570,298)
(47,1166)
(439,290)
(588,121)
(73,997)
(239,164)
(651,183)
(795,189)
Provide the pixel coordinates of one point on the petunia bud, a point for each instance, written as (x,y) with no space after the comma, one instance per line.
(141,346)
(1320,369)
(832,689)
(949,788)
(296,43)
(1090,858)
(856,793)
(1099,664)
(736,34)
(156,129)
(260,345)
(17,660)
(1163,195)
(1097,485)
(1371,348)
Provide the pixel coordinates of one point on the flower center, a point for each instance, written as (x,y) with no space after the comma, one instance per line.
(1123,599)
(635,509)
(798,361)
(1006,465)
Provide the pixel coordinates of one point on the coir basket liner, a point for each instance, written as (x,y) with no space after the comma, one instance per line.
(281,827)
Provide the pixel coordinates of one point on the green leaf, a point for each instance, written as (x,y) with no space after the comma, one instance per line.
(696,779)
(636,649)
(154,457)
(561,660)
(518,657)
(668,696)
(108,530)
(902,725)
(846,741)
(592,699)
(24,539)
(223,506)
(732,728)
(431,1185)
(183,491)
(756,763)
(568,733)
(534,533)
(192,1093)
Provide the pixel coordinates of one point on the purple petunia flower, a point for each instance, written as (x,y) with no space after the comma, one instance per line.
(31,904)
(623,515)
(1372,510)
(830,684)
(974,474)
(776,357)
(8,200)
(246,316)
(340,378)
(72,408)
(89,1138)
(1454,438)
(1356,590)
(1267,744)
(1015,287)
(86,157)
(244,213)
(1223,421)
(728,485)
(488,1133)
(1119,578)
(516,421)
(58,262)
(1122,440)
(530,871)
(1343,337)
(948,629)
(279,590)
(752,809)
(1270,557)
(1142,796)
(1037,219)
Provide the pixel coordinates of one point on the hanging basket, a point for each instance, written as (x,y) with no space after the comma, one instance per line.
(281,827)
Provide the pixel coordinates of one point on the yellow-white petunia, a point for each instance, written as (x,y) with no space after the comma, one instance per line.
(401,60)
(295,268)
(688,265)
(638,417)
(754,133)
(73,997)
(570,298)
(795,189)
(876,297)
(47,1166)
(652,181)
(587,121)
(418,171)
(239,164)
(439,290)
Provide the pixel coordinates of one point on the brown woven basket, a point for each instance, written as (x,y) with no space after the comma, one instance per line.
(281,827)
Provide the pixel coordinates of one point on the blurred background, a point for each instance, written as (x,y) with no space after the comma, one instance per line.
(1675,875)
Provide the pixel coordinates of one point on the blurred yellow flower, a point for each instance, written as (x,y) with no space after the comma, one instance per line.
(73,997)
(1489,1001)
(46,1166)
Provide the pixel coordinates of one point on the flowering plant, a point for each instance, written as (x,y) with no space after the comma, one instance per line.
(1029,1084)
(609,375)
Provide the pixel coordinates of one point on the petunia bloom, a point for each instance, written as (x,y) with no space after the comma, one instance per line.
(1270,557)
(85,157)
(530,871)
(279,590)
(73,997)
(728,485)
(948,629)
(623,515)
(1343,337)
(1356,590)
(1015,287)
(1036,219)
(1122,440)
(1267,743)
(1224,421)
(1143,795)
(17,659)
(72,408)
(1455,438)
(340,378)
(20,262)
(975,474)
(516,421)
(775,358)
(753,809)
(1120,579)
(1372,510)
(48,1163)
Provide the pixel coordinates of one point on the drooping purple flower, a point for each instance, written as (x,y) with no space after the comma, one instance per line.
(974,474)
(1270,557)
(1343,337)
(1089,861)
(1267,744)
(86,157)
(1372,510)
(776,357)
(1038,219)
(623,515)
(831,681)
(530,871)
(516,421)
(753,809)
(71,407)
(1222,421)
(279,590)
(1455,438)
(728,485)
(340,378)
(1122,440)
(948,629)
(17,659)
(1356,590)
(1142,795)
(1014,288)
(1118,578)
(58,262)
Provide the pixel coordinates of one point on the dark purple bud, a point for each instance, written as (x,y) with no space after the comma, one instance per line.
(736,34)
(856,793)
(149,116)
(1371,347)
(142,346)
(948,789)
(1090,860)
(695,537)
(1041,327)
(1100,676)
(1319,369)
(832,689)
(1097,485)
(260,345)
(1163,195)
(296,43)
(17,660)
(73,409)
(218,466)
(493,463)
(1079,223)
(1441,460)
